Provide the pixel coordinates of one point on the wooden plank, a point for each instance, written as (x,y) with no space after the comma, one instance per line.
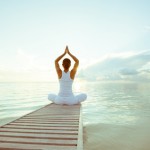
(38,131)
(14,146)
(41,135)
(47,121)
(53,127)
(44,124)
(42,128)
(39,141)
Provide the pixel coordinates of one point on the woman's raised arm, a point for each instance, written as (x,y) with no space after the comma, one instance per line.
(74,70)
(57,67)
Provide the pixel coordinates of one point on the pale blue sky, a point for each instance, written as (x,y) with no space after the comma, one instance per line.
(34,32)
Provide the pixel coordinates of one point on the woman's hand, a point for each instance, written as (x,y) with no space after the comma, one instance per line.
(66,50)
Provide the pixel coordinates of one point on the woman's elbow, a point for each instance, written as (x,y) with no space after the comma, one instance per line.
(77,62)
(56,61)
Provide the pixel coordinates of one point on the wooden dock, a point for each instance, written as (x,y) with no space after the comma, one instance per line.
(53,127)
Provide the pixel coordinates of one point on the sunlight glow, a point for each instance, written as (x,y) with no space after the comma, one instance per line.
(33,35)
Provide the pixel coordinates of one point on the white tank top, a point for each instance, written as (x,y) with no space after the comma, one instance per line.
(65,82)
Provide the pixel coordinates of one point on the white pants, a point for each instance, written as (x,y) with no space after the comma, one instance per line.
(70,100)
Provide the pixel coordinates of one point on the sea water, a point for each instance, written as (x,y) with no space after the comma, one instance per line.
(116,115)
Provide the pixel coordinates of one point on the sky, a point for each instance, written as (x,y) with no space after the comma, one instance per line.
(102,34)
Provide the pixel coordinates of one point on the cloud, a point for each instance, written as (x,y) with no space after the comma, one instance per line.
(135,66)
(27,67)
(27,62)
(128,71)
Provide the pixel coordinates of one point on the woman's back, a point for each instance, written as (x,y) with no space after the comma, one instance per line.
(65,83)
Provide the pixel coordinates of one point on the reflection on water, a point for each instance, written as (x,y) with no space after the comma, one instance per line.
(17,99)
(115,103)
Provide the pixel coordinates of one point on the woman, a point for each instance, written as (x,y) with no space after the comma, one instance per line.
(66,78)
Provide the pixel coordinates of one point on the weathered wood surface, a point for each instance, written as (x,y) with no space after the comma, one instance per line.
(53,127)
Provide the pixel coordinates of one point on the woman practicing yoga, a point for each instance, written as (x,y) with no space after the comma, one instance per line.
(66,77)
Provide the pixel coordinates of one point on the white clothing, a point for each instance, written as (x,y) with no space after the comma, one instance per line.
(65,95)
(65,83)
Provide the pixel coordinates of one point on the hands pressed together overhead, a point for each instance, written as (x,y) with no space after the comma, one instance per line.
(67,50)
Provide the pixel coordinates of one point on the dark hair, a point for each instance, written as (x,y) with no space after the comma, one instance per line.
(66,63)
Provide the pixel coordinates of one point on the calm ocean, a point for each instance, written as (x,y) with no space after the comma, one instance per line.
(115,103)
(116,116)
